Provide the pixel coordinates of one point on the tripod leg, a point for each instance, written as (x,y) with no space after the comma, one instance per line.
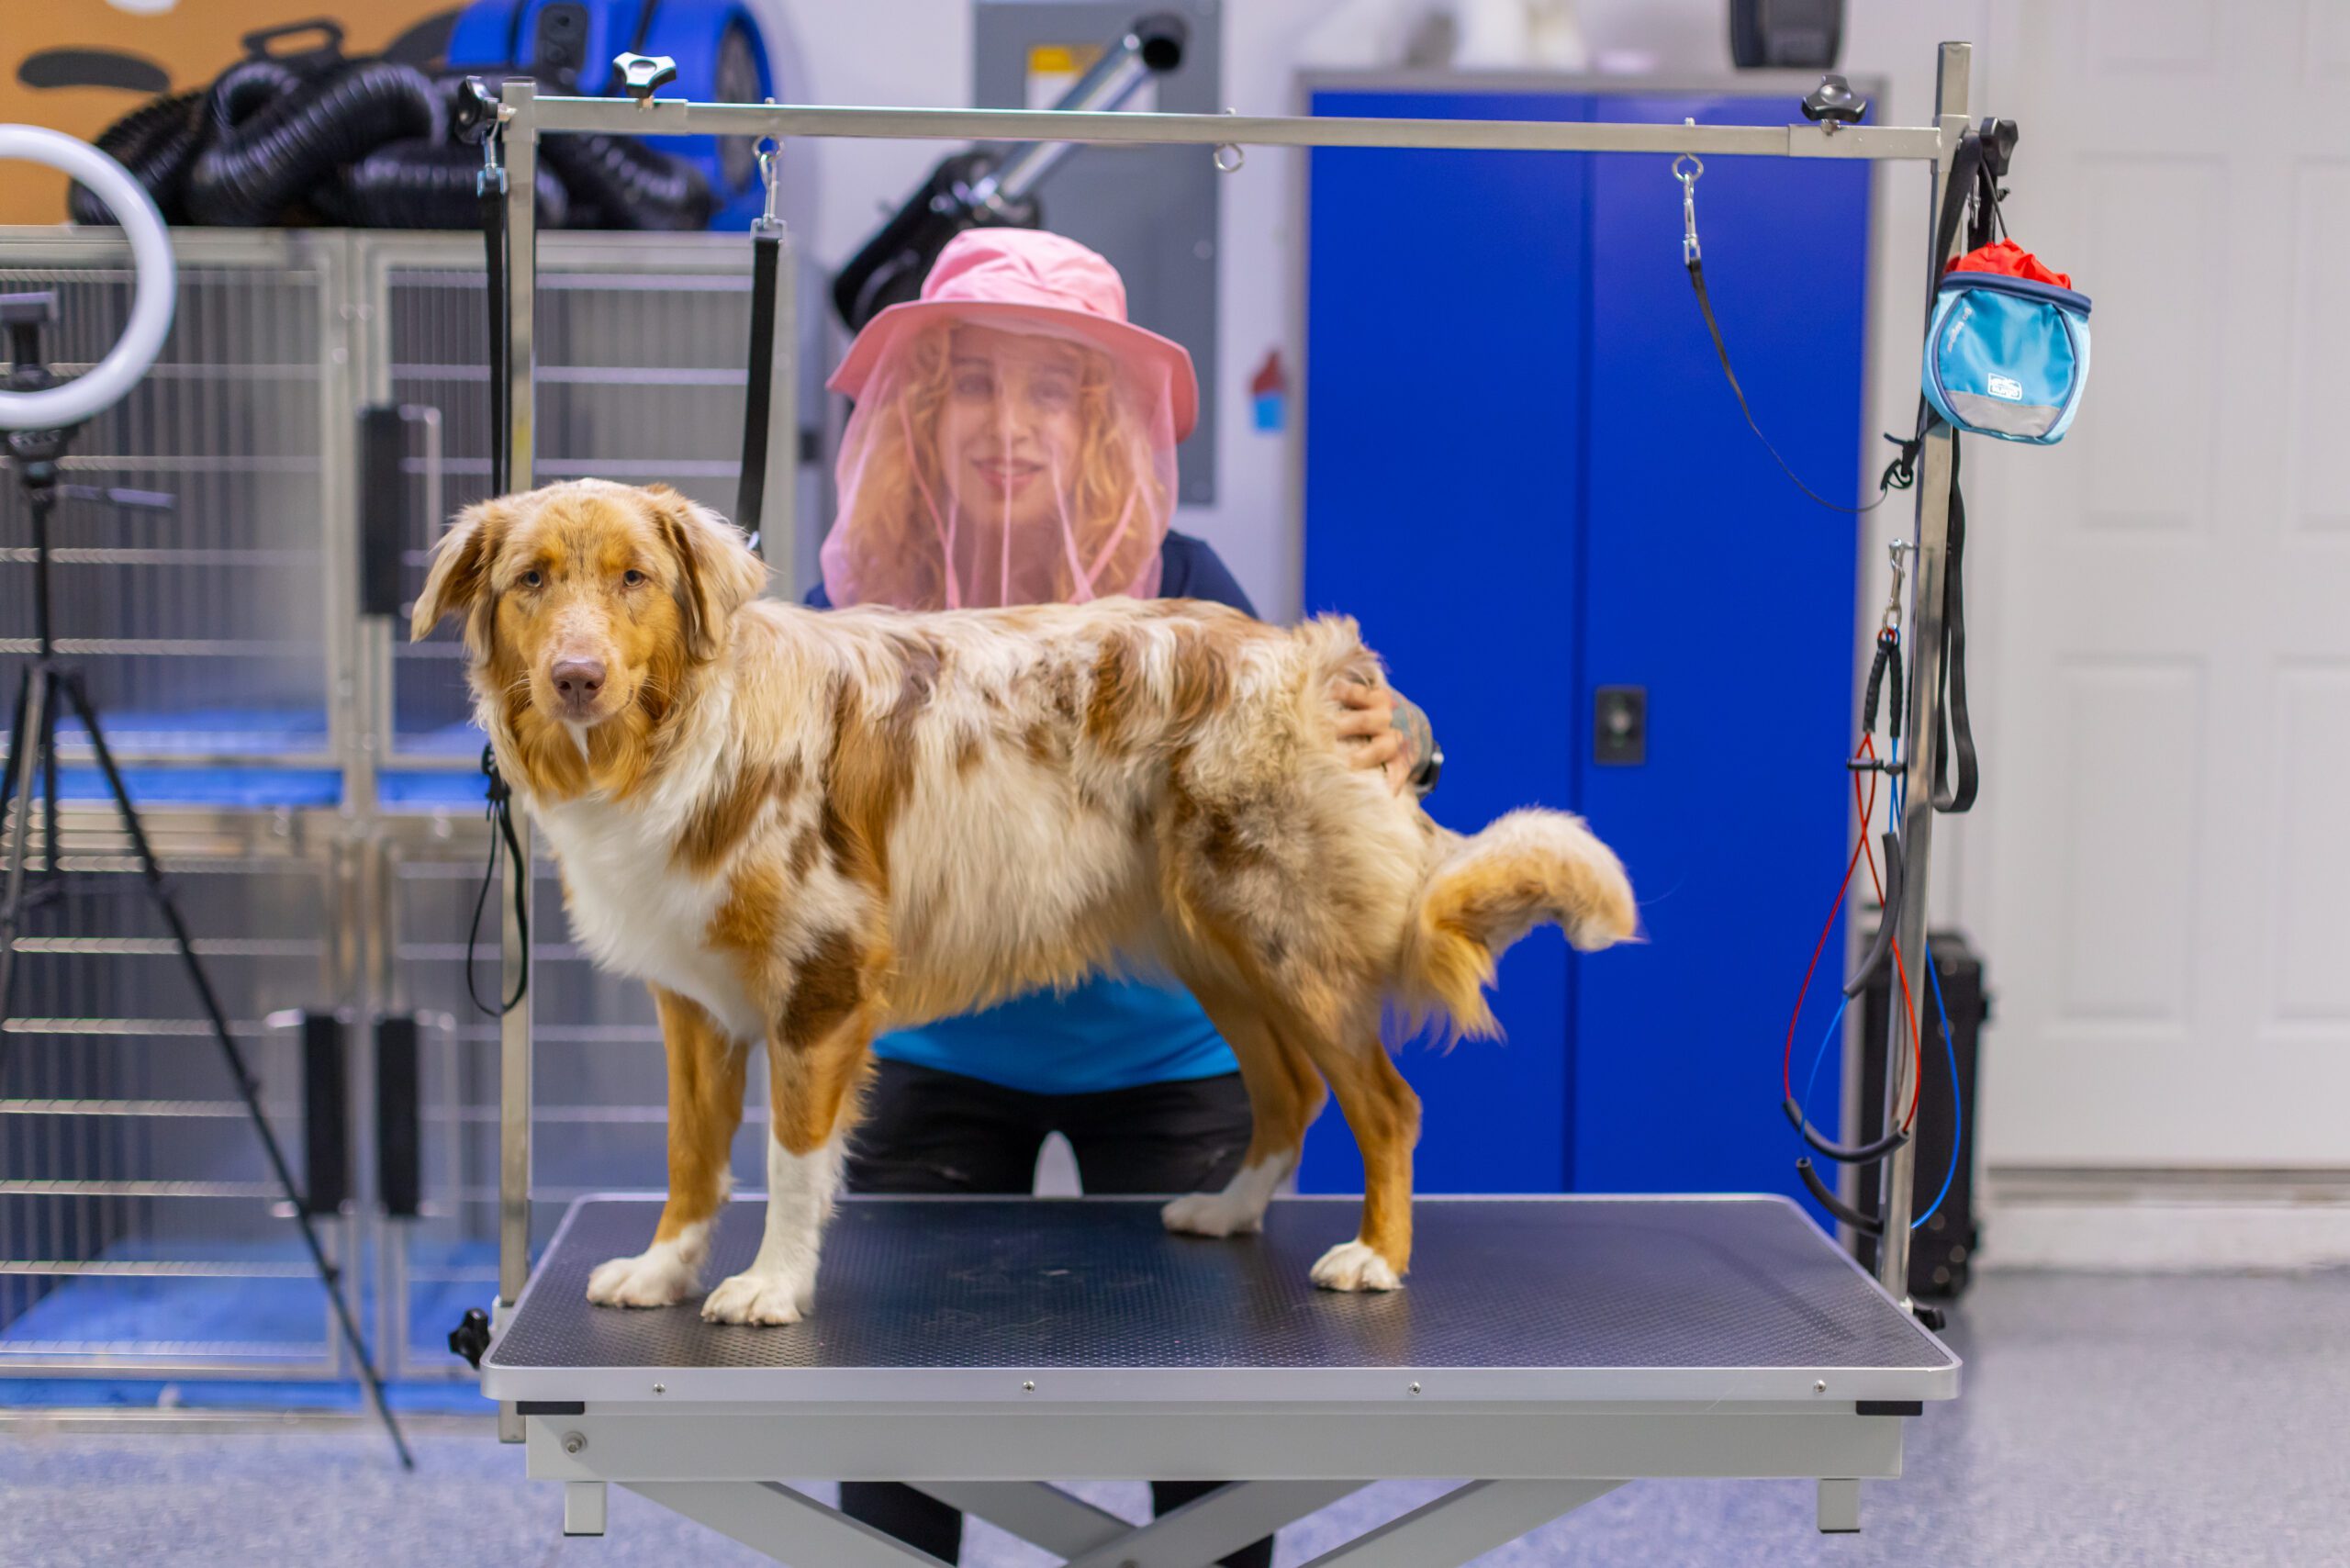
(47,756)
(33,697)
(247,1089)
(16,734)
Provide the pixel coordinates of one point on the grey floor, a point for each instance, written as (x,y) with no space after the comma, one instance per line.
(2104,1420)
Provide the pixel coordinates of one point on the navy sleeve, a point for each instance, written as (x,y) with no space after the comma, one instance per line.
(1190,568)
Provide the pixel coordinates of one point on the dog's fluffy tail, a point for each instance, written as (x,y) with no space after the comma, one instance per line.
(1481,893)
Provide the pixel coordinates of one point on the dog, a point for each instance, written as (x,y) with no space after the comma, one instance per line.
(801,828)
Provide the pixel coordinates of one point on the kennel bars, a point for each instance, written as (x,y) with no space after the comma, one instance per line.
(525,116)
(312,783)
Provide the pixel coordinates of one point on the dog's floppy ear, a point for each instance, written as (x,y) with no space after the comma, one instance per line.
(717,573)
(458,579)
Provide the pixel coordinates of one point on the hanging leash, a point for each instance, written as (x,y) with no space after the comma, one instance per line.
(1973,197)
(1898,475)
(490,186)
(767,269)
(501,819)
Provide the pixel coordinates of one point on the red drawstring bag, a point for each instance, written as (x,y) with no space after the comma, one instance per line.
(2010,260)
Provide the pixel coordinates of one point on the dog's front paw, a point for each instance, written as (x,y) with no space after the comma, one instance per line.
(1351,1266)
(1212,1213)
(759,1298)
(661,1275)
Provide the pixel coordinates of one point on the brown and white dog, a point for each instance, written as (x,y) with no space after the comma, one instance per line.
(801,828)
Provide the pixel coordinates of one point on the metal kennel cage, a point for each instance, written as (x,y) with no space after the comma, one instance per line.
(312,781)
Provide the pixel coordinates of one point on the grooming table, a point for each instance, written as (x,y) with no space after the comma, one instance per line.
(1551,1348)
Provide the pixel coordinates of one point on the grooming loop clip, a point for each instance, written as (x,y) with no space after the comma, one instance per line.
(770,155)
(1688,178)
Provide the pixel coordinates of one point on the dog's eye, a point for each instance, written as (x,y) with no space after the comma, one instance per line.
(534,580)
(633,577)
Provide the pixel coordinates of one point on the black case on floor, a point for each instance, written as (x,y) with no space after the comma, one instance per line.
(1941,1251)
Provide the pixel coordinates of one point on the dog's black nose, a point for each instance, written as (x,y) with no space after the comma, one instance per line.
(577,680)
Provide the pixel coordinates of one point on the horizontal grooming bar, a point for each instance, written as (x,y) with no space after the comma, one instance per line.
(679,117)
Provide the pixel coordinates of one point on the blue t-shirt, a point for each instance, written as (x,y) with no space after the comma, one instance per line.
(1105,1033)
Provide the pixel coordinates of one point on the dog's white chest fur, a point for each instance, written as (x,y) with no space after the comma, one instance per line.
(637,915)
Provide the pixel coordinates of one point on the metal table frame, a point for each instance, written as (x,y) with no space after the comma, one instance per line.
(692,1459)
(649,1402)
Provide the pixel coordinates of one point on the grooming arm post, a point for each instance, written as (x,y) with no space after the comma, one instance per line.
(522,148)
(1896,1173)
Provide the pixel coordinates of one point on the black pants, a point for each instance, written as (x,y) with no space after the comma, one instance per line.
(926,1131)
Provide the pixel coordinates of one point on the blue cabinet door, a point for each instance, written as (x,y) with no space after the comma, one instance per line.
(1712,583)
(1526,477)
(1444,428)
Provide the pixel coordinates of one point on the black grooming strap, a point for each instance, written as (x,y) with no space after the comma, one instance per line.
(1886,662)
(767,258)
(494,257)
(1955,743)
(1959,743)
(496,254)
(1706,308)
(501,817)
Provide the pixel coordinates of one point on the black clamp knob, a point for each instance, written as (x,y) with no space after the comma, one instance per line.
(470,1338)
(473,111)
(1834,101)
(1998,140)
(642,76)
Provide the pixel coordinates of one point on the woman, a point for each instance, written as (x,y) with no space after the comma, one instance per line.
(1014,443)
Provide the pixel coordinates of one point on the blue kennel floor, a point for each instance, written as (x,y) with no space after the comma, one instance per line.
(280,1318)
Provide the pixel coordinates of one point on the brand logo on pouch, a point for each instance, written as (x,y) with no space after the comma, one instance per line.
(2008,387)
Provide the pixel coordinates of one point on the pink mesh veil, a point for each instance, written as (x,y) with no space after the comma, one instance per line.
(1012,440)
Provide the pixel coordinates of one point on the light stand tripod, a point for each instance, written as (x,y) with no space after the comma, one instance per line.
(49,685)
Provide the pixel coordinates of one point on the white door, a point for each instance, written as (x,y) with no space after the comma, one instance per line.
(2159,871)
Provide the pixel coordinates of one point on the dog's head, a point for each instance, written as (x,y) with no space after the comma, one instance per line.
(587,597)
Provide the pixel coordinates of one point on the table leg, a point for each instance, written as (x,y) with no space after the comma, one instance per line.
(1041,1514)
(1463,1523)
(788,1525)
(1225,1520)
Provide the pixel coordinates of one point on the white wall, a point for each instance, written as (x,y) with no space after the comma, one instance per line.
(2161,665)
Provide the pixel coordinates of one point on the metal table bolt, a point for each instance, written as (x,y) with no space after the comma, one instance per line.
(660,1388)
(1415,1388)
(1028,1388)
(574,1442)
(1820,1387)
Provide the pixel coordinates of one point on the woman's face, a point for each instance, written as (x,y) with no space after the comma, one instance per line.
(1008,438)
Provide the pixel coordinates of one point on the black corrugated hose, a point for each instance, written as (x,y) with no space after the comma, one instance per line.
(364,143)
(156,144)
(302,135)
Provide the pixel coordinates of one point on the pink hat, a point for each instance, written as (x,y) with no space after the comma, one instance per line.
(1025,273)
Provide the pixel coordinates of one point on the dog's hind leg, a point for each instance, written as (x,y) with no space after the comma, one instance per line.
(816,1061)
(1384,1115)
(1285,1094)
(705,1108)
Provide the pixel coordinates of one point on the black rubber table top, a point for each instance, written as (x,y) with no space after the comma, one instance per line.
(1495,1284)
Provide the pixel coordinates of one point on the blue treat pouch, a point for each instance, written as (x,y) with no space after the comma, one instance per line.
(2009,355)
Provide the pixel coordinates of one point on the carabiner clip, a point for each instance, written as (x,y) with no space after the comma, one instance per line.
(770,156)
(492,175)
(1688,178)
(1891,625)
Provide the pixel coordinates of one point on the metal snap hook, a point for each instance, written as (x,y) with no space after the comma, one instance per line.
(1688,178)
(769,153)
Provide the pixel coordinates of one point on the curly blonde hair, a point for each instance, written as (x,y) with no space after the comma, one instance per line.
(900,479)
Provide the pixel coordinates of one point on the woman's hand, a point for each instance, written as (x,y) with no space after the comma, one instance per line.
(1367,729)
